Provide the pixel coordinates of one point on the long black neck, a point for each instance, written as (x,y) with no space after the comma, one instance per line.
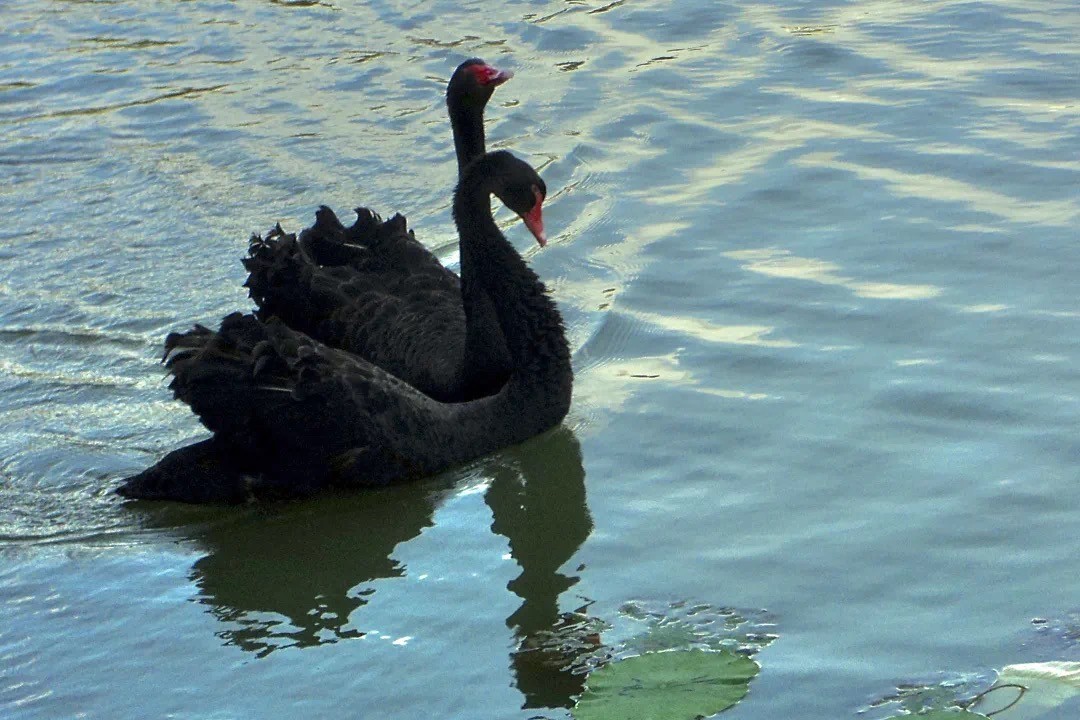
(467,121)
(537,394)
(485,365)
(484,368)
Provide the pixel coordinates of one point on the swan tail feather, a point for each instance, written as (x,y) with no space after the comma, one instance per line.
(204,472)
(274,400)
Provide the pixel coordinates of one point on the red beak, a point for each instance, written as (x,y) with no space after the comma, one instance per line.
(534,220)
(488,75)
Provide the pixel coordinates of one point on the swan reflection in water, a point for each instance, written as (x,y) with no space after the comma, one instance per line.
(294,577)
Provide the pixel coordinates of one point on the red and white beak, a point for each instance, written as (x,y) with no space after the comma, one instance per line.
(488,75)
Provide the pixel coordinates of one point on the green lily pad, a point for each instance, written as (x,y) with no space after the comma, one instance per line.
(677,685)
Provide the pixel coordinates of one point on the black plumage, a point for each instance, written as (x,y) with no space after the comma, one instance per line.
(291,415)
(374,290)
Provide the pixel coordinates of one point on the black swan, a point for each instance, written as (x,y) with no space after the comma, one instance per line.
(291,416)
(375,291)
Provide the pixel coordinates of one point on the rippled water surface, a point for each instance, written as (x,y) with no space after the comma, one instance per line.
(818,262)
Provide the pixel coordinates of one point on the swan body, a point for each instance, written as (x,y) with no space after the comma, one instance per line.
(292,415)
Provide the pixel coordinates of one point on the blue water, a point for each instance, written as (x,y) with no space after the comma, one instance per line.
(818,263)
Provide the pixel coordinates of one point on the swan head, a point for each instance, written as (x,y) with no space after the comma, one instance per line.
(521,189)
(474,81)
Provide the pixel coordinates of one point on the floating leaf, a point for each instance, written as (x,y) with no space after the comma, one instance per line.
(1047,685)
(1064,675)
(676,685)
(947,691)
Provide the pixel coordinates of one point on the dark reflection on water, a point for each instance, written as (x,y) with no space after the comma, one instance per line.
(295,575)
(294,579)
(537,499)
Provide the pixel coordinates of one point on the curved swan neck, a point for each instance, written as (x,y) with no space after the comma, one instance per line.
(467,122)
(541,376)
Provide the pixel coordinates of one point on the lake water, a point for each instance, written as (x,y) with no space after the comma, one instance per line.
(818,261)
